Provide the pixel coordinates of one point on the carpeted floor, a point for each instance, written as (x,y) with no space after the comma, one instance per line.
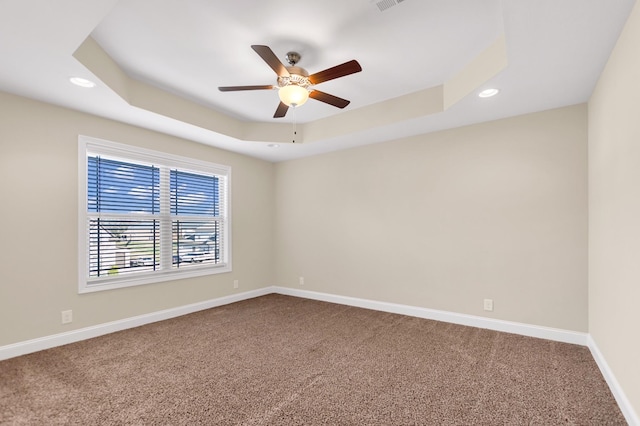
(279,360)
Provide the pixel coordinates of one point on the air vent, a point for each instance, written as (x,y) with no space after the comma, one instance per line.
(386,4)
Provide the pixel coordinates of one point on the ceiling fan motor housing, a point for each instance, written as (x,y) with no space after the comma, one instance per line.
(297,76)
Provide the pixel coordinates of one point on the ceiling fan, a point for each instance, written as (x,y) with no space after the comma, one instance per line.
(294,83)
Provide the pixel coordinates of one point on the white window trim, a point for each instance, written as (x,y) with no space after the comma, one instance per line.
(147,156)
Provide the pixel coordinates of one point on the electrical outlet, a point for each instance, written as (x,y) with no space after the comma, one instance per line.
(301,280)
(235,284)
(67,316)
(488,304)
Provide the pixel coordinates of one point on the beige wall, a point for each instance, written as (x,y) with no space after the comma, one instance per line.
(496,210)
(614,211)
(38,217)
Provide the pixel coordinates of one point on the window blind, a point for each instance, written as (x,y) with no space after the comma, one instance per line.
(195,208)
(147,214)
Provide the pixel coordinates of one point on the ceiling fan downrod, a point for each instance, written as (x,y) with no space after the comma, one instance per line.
(293,58)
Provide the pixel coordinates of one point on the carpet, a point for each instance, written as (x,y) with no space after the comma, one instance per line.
(281,360)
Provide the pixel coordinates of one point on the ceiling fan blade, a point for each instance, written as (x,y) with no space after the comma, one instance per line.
(328,99)
(341,70)
(281,111)
(236,88)
(271,59)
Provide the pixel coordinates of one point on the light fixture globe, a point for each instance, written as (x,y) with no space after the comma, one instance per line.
(293,95)
(294,86)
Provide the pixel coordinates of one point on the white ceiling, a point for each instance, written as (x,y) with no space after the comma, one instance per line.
(555,50)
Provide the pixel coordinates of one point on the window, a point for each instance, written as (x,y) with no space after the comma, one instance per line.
(147,216)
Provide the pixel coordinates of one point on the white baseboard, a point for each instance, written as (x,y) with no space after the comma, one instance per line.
(47,342)
(625,406)
(548,333)
(34,345)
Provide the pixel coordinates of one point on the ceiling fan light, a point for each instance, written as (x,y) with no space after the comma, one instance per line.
(293,95)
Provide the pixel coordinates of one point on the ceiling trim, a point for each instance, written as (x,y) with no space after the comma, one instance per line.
(480,70)
(414,105)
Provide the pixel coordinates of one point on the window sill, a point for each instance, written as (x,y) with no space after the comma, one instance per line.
(112,283)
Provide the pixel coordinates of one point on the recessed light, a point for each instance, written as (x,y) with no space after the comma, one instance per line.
(82,82)
(487,93)
(273,145)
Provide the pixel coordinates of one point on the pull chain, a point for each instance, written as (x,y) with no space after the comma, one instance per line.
(294,124)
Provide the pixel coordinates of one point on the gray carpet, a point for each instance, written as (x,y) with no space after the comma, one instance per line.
(278,360)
